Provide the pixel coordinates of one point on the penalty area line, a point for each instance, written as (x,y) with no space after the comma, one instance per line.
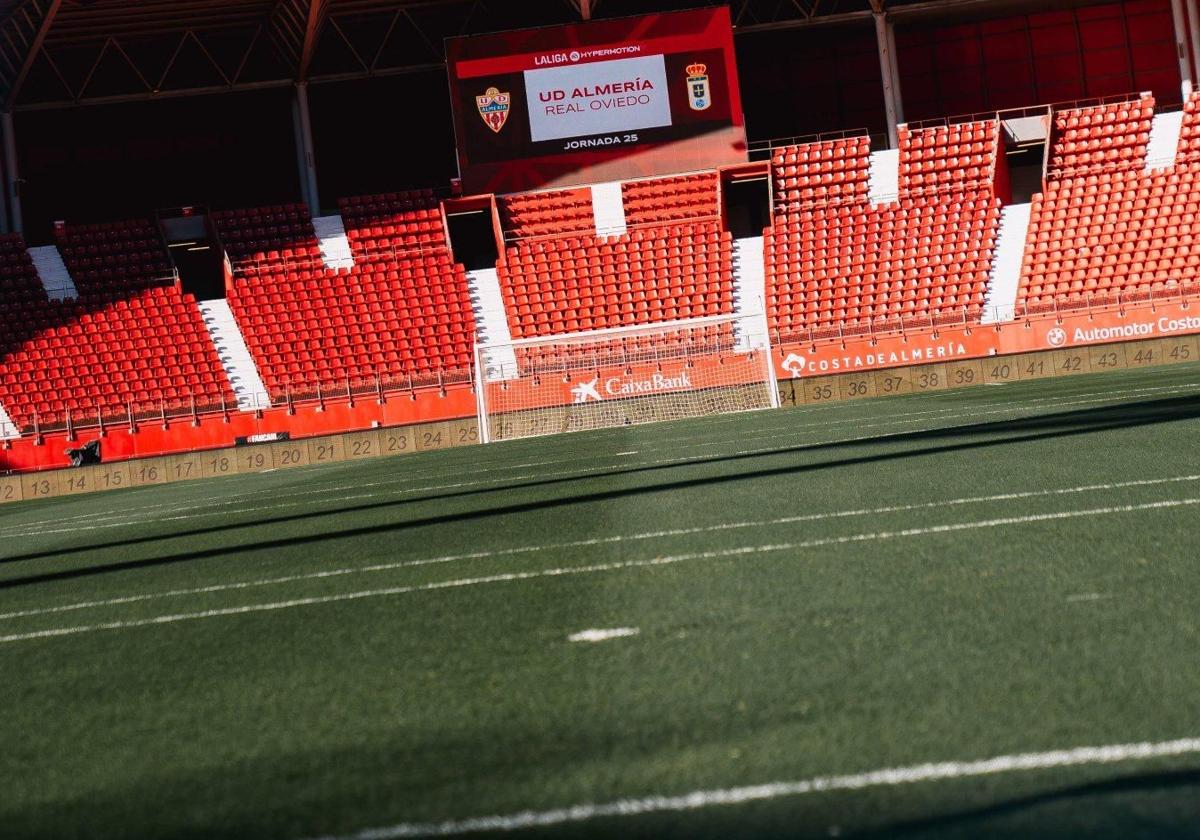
(699,799)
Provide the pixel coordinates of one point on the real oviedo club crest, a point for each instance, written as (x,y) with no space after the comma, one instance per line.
(697,81)
(494,107)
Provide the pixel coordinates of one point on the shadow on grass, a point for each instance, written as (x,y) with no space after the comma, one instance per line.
(925,443)
(1092,809)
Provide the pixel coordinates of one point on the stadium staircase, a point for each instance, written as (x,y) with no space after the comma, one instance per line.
(53,273)
(331,239)
(490,318)
(235,358)
(749,286)
(1163,146)
(883,179)
(1000,302)
(608,209)
(8,429)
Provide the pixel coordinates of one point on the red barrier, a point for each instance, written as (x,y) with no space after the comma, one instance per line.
(211,431)
(973,341)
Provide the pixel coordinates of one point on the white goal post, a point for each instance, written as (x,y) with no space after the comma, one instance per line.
(622,377)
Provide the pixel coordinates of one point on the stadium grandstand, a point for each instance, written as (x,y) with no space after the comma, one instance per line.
(797,573)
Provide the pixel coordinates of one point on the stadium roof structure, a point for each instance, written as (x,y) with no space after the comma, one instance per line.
(59,53)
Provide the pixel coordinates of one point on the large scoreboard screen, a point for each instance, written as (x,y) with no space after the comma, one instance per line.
(601,101)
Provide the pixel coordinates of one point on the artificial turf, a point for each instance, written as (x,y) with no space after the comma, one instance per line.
(818,591)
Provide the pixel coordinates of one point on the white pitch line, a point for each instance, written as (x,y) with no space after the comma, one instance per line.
(594,568)
(501,482)
(125,515)
(699,799)
(1090,596)
(106,519)
(595,635)
(608,540)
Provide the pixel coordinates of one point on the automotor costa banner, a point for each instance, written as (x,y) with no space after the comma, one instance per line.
(599,101)
(948,344)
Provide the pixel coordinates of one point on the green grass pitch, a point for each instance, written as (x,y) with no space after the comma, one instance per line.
(817,593)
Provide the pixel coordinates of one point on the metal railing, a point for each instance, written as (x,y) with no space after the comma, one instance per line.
(764,148)
(289,395)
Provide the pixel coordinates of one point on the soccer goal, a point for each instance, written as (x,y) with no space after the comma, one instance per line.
(623,377)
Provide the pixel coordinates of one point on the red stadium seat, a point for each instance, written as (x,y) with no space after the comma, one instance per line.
(1104,228)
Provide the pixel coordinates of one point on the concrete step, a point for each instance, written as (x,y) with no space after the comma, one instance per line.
(1164,141)
(53,273)
(883,180)
(1000,302)
(8,429)
(491,323)
(239,365)
(608,209)
(335,247)
(749,292)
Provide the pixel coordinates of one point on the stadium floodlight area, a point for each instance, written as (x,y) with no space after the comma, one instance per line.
(625,376)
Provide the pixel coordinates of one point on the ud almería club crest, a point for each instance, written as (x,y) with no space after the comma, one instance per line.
(494,107)
(698,92)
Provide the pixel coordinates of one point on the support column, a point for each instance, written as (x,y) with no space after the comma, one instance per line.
(897,95)
(304,150)
(12,170)
(5,226)
(1181,47)
(1194,33)
(886,74)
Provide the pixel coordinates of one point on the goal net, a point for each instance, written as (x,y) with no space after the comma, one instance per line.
(623,377)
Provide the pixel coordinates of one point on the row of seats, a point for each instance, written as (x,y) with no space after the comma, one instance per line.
(274,234)
(304,328)
(655,201)
(111,259)
(1100,138)
(551,213)
(130,337)
(706,339)
(648,275)
(1104,226)
(962,154)
(832,259)
(391,223)
(402,309)
(149,347)
(826,172)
